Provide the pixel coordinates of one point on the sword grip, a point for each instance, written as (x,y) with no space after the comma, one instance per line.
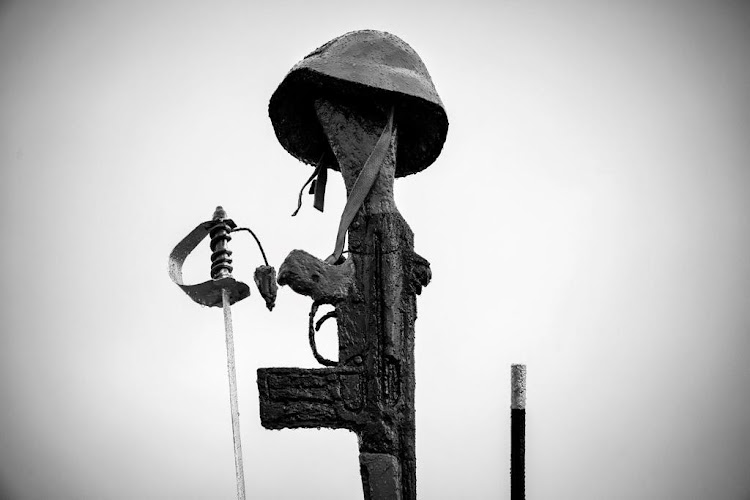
(221,260)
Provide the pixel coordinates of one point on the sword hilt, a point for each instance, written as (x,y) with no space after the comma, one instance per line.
(209,293)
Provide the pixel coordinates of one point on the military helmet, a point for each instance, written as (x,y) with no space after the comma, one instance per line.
(367,65)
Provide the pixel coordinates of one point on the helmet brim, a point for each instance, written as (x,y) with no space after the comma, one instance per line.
(419,114)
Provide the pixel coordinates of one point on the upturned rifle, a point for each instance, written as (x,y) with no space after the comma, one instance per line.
(372,137)
(370,388)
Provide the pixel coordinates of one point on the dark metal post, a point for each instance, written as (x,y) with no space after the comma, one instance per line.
(518,432)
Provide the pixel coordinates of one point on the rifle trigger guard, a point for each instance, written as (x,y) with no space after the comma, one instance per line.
(314,327)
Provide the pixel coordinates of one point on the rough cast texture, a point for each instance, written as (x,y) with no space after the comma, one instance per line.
(371,390)
(365,65)
(308,275)
(518,387)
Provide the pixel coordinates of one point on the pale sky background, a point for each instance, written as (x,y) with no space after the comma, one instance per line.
(589,216)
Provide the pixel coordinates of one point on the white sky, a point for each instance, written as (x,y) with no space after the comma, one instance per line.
(588,217)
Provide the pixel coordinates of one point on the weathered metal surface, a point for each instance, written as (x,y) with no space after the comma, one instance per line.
(308,275)
(209,292)
(364,184)
(222,289)
(221,255)
(367,65)
(381,476)
(310,397)
(363,104)
(265,280)
(518,387)
(371,389)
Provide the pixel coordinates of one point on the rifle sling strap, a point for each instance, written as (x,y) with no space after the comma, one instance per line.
(362,187)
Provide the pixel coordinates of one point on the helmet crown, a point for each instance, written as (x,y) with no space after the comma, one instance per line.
(366,66)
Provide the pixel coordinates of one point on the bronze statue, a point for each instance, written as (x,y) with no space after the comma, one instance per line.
(363,104)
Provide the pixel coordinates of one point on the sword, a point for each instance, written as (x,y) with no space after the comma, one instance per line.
(221,269)
(225,290)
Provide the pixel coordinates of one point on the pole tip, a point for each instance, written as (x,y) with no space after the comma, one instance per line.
(518,387)
(219,213)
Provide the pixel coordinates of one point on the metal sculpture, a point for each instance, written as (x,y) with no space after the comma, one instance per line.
(223,290)
(363,104)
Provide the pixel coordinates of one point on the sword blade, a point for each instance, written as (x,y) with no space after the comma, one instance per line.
(233,395)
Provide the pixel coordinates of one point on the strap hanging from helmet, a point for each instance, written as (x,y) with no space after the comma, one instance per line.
(318,187)
(319,178)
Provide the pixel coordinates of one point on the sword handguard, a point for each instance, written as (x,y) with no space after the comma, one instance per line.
(207,293)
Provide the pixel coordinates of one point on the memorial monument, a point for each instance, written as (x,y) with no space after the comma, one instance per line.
(365,105)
